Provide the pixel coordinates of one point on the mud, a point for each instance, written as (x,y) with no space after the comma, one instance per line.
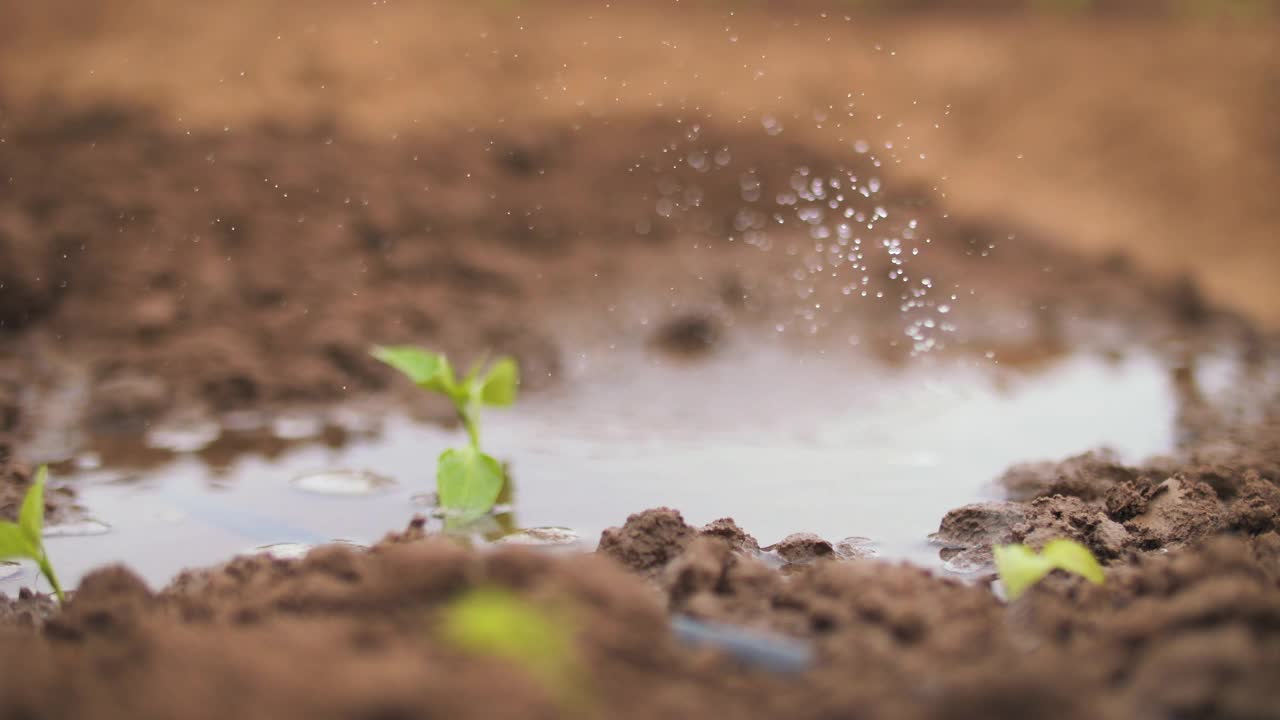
(892,640)
(1229,484)
(178,250)
(183,309)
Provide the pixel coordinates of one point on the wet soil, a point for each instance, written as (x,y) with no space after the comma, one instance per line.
(159,273)
(1191,633)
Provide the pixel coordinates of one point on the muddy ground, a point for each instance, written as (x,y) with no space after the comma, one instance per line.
(178,240)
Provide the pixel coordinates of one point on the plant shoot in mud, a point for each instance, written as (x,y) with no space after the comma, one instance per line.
(493,622)
(468,481)
(1020,567)
(23,539)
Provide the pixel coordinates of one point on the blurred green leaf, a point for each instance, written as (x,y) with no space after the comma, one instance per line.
(24,539)
(494,622)
(31,516)
(500,383)
(14,542)
(428,370)
(468,481)
(1020,567)
(1074,558)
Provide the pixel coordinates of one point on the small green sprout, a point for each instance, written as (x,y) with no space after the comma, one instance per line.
(1020,567)
(493,622)
(468,481)
(23,539)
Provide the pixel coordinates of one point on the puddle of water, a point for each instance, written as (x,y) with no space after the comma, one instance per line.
(9,569)
(781,441)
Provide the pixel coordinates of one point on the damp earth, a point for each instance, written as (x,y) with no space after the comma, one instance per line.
(814,304)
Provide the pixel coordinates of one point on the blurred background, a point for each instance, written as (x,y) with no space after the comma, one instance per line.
(1150,127)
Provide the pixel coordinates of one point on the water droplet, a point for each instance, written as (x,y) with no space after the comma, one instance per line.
(342,482)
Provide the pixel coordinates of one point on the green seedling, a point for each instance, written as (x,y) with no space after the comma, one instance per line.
(468,482)
(1020,567)
(23,539)
(495,623)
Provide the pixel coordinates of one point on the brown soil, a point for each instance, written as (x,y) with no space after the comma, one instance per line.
(247,253)
(1195,633)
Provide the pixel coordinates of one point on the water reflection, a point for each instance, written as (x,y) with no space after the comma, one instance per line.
(780,440)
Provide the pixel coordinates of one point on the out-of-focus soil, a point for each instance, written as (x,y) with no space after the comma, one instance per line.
(1152,134)
(208,209)
(347,634)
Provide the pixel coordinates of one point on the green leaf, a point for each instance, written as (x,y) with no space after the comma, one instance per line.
(494,622)
(1020,567)
(31,516)
(428,370)
(474,370)
(468,481)
(15,544)
(23,539)
(1074,558)
(500,383)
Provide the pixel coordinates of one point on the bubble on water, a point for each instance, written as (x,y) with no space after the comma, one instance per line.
(355,421)
(541,536)
(297,550)
(426,499)
(771,124)
(88,461)
(297,426)
(184,437)
(80,528)
(964,564)
(856,547)
(9,570)
(861,147)
(284,551)
(342,482)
